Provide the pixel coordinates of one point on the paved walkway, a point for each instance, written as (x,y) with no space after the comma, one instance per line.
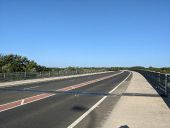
(147,110)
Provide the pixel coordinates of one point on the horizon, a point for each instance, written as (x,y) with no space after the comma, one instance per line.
(89,66)
(87,33)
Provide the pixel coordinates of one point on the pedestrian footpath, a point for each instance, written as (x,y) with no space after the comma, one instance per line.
(140,107)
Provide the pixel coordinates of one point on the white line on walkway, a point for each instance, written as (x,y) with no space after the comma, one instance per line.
(92,108)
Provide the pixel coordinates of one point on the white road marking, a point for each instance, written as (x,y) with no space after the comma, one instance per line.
(22,102)
(93,107)
(32,87)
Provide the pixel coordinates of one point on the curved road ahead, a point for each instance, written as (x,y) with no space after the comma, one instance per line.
(58,110)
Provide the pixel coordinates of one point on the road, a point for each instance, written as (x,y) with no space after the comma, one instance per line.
(59,110)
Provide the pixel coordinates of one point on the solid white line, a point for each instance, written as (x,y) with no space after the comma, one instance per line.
(93,107)
(86,113)
(120,83)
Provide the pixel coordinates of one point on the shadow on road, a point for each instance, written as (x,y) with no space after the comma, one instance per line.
(89,121)
(124,126)
(79,108)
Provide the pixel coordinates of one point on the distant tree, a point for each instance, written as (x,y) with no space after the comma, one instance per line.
(16,63)
(72,68)
(7,68)
(31,66)
(137,68)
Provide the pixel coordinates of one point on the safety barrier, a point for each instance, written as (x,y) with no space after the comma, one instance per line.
(159,80)
(32,75)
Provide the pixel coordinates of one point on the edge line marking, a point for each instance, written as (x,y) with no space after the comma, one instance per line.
(98,103)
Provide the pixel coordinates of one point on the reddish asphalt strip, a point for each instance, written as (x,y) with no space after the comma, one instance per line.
(31,99)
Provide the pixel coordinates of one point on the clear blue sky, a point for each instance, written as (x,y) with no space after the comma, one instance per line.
(61,33)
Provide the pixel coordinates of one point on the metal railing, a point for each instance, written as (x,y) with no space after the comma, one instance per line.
(33,75)
(159,80)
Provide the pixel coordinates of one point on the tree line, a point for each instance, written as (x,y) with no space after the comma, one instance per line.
(161,70)
(17,63)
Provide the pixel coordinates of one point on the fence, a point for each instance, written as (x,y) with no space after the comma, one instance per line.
(32,75)
(159,80)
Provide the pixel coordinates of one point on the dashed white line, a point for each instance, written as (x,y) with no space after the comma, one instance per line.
(22,102)
(32,87)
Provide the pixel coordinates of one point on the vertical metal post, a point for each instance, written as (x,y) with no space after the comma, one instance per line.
(58,73)
(166,85)
(76,71)
(159,80)
(4,76)
(25,74)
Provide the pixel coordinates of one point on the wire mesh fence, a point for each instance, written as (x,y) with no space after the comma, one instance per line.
(160,80)
(33,75)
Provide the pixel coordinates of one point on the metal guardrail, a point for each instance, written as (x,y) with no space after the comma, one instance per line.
(160,80)
(32,75)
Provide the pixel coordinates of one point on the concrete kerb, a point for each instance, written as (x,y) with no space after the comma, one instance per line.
(40,80)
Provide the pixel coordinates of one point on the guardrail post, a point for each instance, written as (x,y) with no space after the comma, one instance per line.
(159,79)
(25,74)
(166,85)
(4,76)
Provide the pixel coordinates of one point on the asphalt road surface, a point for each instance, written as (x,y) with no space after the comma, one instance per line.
(58,110)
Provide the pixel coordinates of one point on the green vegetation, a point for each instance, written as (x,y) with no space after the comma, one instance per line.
(161,70)
(17,63)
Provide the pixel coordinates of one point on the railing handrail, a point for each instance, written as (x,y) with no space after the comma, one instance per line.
(156,77)
(12,76)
